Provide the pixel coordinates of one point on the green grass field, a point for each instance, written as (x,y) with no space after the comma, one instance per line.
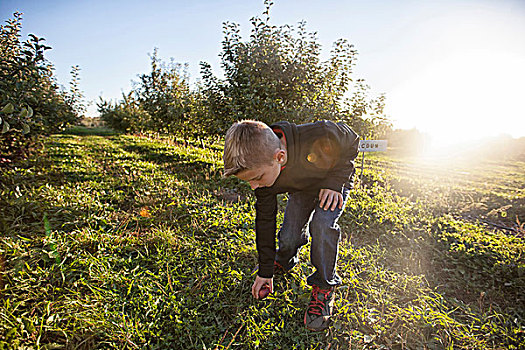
(126,242)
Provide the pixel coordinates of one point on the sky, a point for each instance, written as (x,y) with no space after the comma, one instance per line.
(454,69)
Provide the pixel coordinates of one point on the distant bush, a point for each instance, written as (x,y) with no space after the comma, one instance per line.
(410,141)
(31,103)
(161,101)
(502,147)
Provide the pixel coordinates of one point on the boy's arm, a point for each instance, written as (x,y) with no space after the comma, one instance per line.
(265,225)
(341,172)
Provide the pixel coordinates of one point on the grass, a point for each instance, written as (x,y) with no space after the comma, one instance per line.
(121,241)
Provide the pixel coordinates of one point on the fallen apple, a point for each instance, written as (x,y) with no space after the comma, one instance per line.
(264,291)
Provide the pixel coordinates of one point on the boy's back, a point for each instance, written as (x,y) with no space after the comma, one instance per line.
(320,155)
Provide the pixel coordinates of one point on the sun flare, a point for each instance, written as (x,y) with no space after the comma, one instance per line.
(464,97)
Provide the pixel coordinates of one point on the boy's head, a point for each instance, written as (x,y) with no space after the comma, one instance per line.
(253,153)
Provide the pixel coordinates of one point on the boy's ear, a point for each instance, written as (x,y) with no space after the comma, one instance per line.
(280,155)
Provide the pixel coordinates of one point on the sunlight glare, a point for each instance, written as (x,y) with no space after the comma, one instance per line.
(464,97)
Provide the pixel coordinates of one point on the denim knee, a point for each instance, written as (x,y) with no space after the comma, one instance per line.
(324,221)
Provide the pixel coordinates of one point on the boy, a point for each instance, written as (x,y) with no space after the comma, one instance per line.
(314,164)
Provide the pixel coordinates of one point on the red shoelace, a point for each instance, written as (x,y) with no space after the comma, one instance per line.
(316,305)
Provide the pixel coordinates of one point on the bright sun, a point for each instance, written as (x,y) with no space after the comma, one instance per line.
(465,97)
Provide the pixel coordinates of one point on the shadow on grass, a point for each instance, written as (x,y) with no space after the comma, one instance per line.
(85,131)
(183,164)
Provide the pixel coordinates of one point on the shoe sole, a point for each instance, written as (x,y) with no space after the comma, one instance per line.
(319,329)
(329,321)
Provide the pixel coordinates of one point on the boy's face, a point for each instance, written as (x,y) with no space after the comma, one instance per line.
(265,175)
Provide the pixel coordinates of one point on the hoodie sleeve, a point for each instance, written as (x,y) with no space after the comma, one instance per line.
(265,226)
(341,149)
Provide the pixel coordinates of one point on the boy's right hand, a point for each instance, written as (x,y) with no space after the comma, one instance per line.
(259,282)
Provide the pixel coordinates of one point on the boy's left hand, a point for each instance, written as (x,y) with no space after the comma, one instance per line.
(330,199)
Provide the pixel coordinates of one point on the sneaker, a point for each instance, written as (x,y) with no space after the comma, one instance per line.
(317,316)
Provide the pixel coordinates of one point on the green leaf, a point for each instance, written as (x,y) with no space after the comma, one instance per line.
(23,113)
(8,108)
(5,128)
(25,129)
(30,112)
(47,226)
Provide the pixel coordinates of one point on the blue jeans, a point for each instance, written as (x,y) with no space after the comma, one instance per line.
(303,218)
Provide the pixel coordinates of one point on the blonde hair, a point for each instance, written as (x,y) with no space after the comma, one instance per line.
(248,145)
